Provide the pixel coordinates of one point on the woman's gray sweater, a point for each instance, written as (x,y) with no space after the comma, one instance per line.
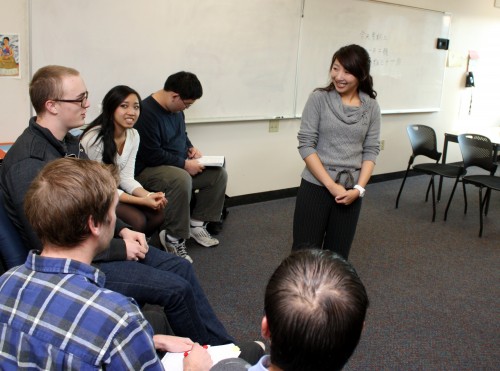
(342,136)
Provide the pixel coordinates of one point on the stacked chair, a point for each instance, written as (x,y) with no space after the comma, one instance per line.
(477,151)
(423,143)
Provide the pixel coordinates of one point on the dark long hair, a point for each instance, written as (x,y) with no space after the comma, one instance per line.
(356,60)
(105,120)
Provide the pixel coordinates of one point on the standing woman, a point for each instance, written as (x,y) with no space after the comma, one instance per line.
(111,139)
(339,142)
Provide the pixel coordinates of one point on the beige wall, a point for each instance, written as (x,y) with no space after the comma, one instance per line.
(14,99)
(259,161)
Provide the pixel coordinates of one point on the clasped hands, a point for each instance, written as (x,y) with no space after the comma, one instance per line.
(135,244)
(343,196)
(156,200)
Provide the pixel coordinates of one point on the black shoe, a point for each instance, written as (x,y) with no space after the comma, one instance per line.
(214,228)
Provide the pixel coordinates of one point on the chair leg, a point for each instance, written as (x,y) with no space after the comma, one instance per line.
(431,181)
(402,185)
(465,198)
(487,200)
(433,200)
(439,188)
(481,204)
(451,198)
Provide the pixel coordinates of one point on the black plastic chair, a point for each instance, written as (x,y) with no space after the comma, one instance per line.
(12,250)
(477,151)
(423,143)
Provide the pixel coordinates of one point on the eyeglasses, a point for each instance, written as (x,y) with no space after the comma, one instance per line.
(187,105)
(82,101)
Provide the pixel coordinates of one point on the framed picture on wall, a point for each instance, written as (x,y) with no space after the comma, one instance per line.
(9,55)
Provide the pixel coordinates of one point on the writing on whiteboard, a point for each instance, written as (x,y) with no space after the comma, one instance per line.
(377,45)
(374,36)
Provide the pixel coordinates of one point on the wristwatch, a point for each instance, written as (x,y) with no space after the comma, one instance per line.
(360,189)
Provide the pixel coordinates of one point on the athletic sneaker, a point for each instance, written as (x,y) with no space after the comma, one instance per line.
(177,248)
(201,235)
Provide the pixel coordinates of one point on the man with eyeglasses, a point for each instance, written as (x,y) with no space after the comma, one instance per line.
(45,139)
(60,99)
(167,162)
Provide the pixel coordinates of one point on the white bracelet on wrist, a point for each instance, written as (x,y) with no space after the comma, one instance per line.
(360,189)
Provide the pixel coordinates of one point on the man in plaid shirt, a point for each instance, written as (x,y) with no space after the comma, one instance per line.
(55,313)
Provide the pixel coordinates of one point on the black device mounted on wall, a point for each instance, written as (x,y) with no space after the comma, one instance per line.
(443,44)
(469,80)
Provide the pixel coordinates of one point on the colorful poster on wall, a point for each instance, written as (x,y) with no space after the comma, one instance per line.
(9,55)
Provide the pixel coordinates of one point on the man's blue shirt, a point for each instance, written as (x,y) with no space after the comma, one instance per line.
(164,140)
(56,314)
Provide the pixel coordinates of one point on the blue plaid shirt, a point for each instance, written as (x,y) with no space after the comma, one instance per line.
(55,314)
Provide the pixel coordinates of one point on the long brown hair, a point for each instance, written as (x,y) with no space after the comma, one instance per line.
(356,60)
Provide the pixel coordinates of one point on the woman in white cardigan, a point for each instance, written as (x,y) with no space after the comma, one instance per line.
(111,139)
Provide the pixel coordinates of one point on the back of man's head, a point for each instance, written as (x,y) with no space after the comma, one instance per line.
(64,195)
(46,84)
(186,84)
(315,306)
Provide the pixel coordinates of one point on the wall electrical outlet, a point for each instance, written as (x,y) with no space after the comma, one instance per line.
(274,126)
(382,144)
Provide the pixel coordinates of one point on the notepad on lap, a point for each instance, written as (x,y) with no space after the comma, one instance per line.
(174,361)
(212,160)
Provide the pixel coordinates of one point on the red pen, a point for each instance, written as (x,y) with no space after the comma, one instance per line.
(187,352)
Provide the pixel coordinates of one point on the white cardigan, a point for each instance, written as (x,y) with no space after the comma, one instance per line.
(125,161)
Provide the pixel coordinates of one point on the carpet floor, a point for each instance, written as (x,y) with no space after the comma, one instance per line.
(433,287)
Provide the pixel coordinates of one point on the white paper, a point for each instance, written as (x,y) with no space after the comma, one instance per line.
(211,160)
(174,361)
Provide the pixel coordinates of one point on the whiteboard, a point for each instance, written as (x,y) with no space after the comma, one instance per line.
(407,68)
(243,52)
(257,59)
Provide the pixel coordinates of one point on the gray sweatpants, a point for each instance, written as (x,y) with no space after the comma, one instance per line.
(178,186)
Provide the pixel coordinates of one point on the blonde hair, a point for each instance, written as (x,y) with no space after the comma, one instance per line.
(46,84)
